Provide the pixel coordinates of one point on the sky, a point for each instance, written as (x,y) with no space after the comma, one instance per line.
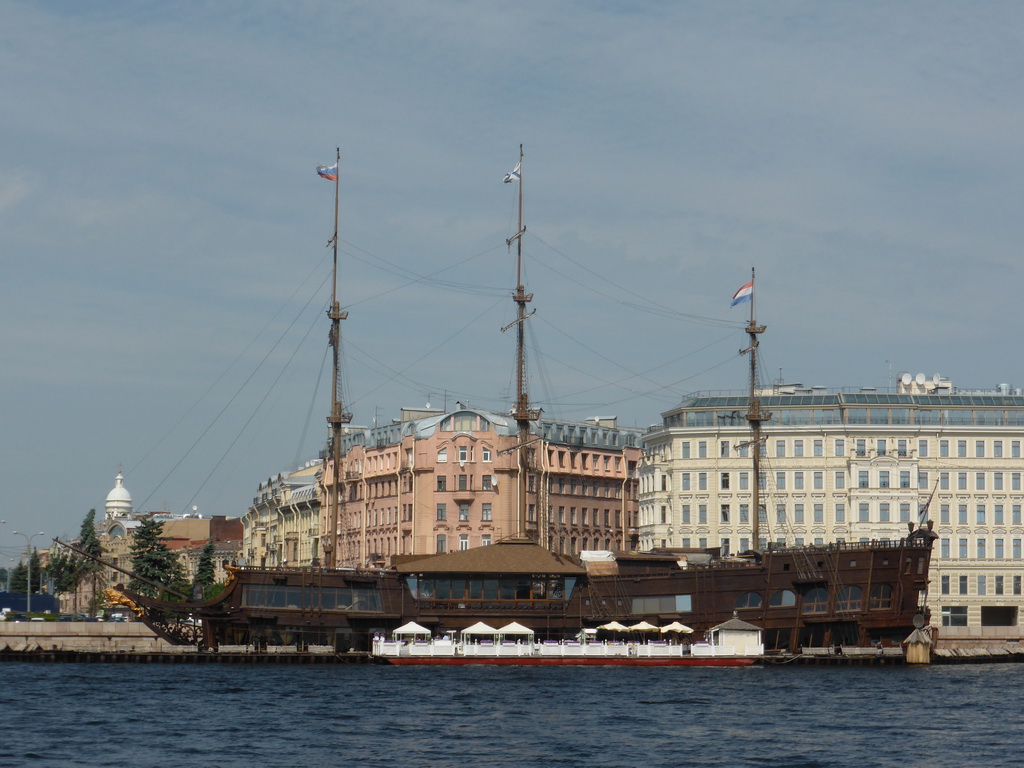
(163,229)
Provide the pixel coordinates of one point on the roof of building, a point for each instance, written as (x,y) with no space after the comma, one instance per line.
(511,556)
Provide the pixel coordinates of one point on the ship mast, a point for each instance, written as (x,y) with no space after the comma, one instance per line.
(522,412)
(337,416)
(755,417)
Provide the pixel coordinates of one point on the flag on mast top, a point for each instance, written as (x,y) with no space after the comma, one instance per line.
(746,293)
(513,175)
(328,172)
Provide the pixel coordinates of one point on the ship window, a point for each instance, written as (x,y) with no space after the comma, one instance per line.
(784,598)
(849,599)
(881,596)
(816,601)
(662,604)
(748,600)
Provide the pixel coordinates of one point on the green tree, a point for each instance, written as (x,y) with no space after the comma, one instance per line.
(19,578)
(204,571)
(89,569)
(152,559)
(63,570)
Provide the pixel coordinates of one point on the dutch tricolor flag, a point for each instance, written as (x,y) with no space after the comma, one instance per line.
(746,293)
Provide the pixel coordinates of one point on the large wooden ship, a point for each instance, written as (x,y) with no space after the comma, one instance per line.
(840,594)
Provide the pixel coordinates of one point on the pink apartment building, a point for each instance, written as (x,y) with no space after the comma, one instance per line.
(443,481)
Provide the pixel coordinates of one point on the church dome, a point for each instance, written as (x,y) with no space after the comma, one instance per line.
(119,501)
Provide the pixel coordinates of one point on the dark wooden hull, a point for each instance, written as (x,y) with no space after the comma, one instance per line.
(857,594)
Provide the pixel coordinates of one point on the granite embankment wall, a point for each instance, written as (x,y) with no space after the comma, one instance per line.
(91,637)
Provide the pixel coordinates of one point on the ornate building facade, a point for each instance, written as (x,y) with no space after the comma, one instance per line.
(855,467)
(282,527)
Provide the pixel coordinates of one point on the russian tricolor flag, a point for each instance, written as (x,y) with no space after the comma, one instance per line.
(329,173)
(746,293)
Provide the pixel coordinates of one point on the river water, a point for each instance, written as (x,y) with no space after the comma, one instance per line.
(151,716)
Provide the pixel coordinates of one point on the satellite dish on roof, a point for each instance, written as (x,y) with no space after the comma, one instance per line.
(905,378)
(936,379)
(919,379)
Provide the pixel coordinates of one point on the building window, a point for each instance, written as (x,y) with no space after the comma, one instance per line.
(780,447)
(840,480)
(685,476)
(442,543)
(463,513)
(798,513)
(463,454)
(463,482)
(840,512)
(961,449)
(744,481)
(922,449)
(819,481)
(962,583)
(862,479)
(905,478)
(702,481)
(798,481)
(954,615)
(944,514)
(685,448)
(819,513)
(945,584)
(485,455)
(442,512)
(725,481)
(982,584)
(944,448)
(702,516)
(862,512)
(485,513)
(840,447)
(485,541)
(981,514)
(702,450)
(723,449)
(962,548)
(819,447)
(686,514)
(979,449)
(780,481)
(442,483)
(463,541)
(744,518)
(944,548)
(725,513)
(442,456)
(883,513)
(981,549)
(883,478)
(997,449)
(798,447)
(485,483)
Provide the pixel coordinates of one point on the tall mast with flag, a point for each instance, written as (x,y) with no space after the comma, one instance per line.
(521,412)
(337,416)
(755,416)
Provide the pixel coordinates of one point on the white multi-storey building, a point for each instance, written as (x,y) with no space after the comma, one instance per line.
(856,467)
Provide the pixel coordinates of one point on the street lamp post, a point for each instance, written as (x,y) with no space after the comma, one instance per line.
(28,552)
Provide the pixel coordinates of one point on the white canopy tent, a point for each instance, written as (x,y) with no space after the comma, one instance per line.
(480,628)
(412,628)
(515,628)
